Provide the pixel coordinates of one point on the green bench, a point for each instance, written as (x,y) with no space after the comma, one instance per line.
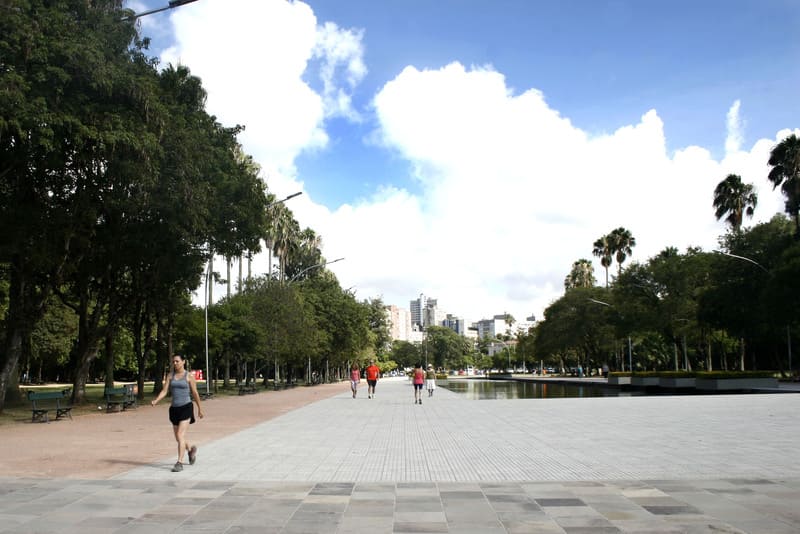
(120,398)
(245,389)
(43,402)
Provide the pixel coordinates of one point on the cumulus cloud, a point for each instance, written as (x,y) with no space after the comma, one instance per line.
(512,192)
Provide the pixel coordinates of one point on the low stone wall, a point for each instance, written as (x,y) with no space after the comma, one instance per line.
(722,384)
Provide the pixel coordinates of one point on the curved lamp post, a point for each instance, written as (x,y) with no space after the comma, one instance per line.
(208,269)
(788,328)
(172,5)
(630,352)
(292,279)
(296,276)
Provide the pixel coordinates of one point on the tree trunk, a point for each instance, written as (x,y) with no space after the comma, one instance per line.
(85,350)
(109,349)
(741,356)
(25,309)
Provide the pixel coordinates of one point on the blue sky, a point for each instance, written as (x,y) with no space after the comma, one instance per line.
(480,147)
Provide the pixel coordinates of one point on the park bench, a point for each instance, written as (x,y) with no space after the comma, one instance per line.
(43,402)
(245,389)
(121,398)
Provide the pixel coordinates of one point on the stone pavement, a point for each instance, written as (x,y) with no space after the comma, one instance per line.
(724,463)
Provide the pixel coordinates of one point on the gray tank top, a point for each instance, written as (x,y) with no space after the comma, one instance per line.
(180,390)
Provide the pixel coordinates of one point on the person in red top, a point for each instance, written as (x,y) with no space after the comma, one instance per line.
(373,372)
(418,379)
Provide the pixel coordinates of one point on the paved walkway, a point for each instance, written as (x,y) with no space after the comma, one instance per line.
(726,463)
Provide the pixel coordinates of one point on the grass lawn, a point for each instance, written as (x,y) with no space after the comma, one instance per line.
(20,412)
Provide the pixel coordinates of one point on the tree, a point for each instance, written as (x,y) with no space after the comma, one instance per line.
(733,200)
(602,249)
(785,162)
(65,111)
(621,242)
(581,275)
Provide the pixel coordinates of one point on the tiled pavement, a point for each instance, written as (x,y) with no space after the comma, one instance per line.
(627,464)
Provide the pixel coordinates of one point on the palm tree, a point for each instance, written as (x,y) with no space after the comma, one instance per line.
(602,249)
(581,275)
(736,199)
(622,243)
(785,162)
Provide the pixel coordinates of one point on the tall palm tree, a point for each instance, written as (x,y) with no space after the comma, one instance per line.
(602,249)
(581,275)
(736,199)
(622,243)
(785,162)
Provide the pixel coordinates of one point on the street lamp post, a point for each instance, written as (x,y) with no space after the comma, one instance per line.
(788,328)
(172,5)
(207,300)
(296,276)
(292,279)
(630,352)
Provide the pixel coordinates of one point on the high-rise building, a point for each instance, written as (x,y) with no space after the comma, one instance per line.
(417,306)
(399,323)
(456,324)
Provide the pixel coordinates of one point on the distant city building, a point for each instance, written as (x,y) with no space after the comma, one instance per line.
(524,326)
(425,312)
(399,323)
(417,306)
(492,327)
(456,324)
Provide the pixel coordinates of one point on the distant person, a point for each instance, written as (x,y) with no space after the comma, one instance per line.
(373,372)
(418,379)
(182,385)
(355,378)
(430,380)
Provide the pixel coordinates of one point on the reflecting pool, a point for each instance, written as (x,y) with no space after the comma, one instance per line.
(510,389)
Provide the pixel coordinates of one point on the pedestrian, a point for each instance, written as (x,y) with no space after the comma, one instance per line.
(430,380)
(418,379)
(183,387)
(373,372)
(355,378)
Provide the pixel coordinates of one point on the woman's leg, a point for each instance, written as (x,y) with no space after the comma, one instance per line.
(180,437)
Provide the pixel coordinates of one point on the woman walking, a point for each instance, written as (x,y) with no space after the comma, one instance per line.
(183,387)
(355,378)
(418,379)
(430,380)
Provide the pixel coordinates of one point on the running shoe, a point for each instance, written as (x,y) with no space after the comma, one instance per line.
(177,467)
(192,455)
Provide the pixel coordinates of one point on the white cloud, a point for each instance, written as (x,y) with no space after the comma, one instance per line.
(512,192)
(340,49)
(735,135)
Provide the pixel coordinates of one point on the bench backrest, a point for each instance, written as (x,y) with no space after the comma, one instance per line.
(47,395)
(116,391)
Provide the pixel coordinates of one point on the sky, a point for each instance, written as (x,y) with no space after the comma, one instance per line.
(472,150)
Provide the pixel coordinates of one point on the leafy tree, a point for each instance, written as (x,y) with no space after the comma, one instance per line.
(733,200)
(444,348)
(65,116)
(405,353)
(581,275)
(576,329)
(785,172)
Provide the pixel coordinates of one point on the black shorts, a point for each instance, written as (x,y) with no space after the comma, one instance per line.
(372,383)
(181,413)
(418,386)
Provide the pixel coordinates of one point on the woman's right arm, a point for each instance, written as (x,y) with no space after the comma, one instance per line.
(163,393)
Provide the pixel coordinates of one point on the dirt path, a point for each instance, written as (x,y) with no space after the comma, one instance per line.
(102,445)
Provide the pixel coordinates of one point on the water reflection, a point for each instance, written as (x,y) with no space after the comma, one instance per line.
(502,389)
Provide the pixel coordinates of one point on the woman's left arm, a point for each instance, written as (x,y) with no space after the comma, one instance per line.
(195,394)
